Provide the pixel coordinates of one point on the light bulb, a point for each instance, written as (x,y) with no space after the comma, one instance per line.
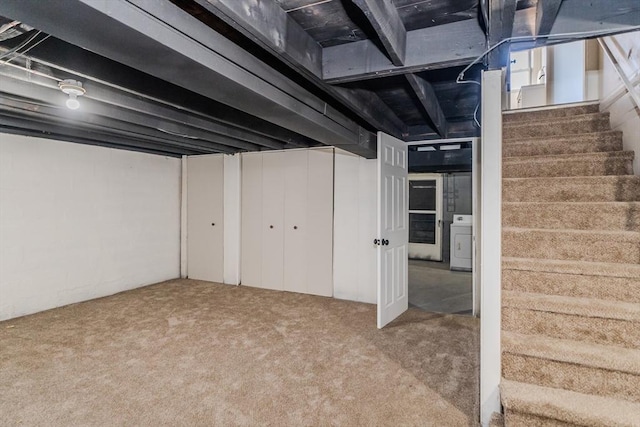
(72,103)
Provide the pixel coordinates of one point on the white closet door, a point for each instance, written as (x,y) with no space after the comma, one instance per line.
(319,213)
(296,228)
(251,222)
(205,228)
(273,167)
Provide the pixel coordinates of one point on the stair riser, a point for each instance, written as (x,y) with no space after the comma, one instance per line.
(592,247)
(599,167)
(570,376)
(542,148)
(572,285)
(620,333)
(567,216)
(518,419)
(546,114)
(599,123)
(627,190)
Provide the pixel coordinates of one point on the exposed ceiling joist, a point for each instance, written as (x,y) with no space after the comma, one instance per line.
(546,12)
(169,103)
(501,17)
(124,106)
(579,16)
(45,129)
(442,46)
(106,124)
(48,114)
(456,130)
(386,21)
(429,101)
(164,41)
(268,25)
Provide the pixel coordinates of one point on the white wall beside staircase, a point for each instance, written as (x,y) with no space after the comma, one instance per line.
(625,115)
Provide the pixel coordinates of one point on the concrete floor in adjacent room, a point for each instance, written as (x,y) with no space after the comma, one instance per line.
(435,288)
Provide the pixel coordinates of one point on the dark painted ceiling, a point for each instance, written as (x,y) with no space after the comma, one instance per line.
(203,76)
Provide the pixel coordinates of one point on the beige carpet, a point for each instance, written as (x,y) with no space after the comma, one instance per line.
(193,353)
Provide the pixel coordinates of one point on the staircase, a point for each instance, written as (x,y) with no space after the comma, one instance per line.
(571,271)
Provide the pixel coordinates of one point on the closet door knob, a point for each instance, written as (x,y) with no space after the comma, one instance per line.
(213,223)
(295,227)
(271,226)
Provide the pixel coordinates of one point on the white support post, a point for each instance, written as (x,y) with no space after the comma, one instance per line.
(183,218)
(232,226)
(490,243)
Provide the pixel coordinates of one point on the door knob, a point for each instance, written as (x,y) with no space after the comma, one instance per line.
(271,226)
(295,227)
(376,241)
(213,223)
(385,242)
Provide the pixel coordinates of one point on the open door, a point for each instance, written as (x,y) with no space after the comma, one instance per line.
(393,230)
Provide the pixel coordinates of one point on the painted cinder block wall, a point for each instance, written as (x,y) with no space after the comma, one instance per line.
(79,222)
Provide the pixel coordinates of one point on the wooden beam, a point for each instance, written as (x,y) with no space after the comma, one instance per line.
(501,17)
(597,15)
(546,12)
(442,46)
(386,21)
(268,25)
(427,97)
(464,129)
(160,39)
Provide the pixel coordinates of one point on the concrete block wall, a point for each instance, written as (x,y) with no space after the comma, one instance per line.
(79,222)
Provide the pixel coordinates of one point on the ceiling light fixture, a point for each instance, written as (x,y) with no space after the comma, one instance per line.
(74,89)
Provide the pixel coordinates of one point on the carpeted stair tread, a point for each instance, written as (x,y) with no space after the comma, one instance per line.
(578,143)
(608,269)
(545,113)
(587,307)
(568,406)
(567,157)
(572,189)
(559,165)
(606,281)
(580,245)
(594,122)
(571,351)
(570,270)
(615,332)
(578,366)
(572,215)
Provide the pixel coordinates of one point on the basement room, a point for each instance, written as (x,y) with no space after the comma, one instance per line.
(303,212)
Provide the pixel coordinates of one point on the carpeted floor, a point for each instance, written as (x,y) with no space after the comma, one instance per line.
(193,353)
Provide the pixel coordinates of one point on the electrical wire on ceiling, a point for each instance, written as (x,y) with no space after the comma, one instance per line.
(27,49)
(20,46)
(565,37)
(561,37)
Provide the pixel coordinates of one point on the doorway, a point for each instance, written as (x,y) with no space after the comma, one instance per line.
(425,216)
(440,218)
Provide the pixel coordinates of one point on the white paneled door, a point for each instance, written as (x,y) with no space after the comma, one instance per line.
(296,257)
(319,234)
(251,220)
(287,220)
(205,228)
(393,230)
(273,180)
